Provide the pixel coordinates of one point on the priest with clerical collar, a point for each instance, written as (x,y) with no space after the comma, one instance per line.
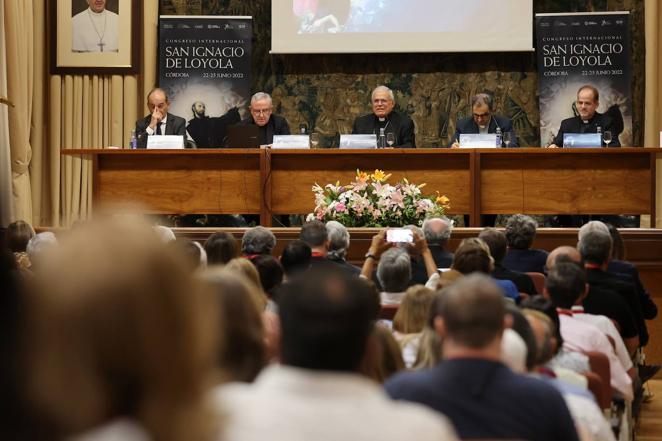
(95,29)
(384,117)
(588,120)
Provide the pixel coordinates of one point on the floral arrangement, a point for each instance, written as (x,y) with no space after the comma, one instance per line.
(370,201)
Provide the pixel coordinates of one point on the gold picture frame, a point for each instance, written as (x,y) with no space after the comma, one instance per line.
(94,36)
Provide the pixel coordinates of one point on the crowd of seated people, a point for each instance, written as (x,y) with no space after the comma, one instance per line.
(120,330)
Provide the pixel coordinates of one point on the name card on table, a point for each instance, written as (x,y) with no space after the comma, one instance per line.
(583,140)
(291,142)
(477,140)
(166,142)
(358,142)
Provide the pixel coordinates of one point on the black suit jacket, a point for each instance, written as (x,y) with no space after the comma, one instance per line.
(175,125)
(469,126)
(277,125)
(522,281)
(576,125)
(442,258)
(627,291)
(401,126)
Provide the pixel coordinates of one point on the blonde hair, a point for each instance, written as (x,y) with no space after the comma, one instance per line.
(414,310)
(239,304)
(245,267)
(117,326)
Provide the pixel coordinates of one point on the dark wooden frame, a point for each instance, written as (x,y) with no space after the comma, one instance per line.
(136,44)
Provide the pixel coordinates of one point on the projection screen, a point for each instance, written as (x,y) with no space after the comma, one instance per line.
(366,26)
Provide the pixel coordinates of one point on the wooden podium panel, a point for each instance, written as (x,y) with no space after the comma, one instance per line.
(586,181)
(293,173)
(180,182)
(268,182)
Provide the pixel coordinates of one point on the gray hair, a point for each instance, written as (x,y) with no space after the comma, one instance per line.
(39,244)
(480,99)
(338,237)
(520,231)
(258,240)
(437,230)
(394,270)
(165,234)
(259,96)
(382,89)
(592,226)
(595,247)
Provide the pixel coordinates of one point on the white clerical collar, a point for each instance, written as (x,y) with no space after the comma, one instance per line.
(95,14)
(382,119)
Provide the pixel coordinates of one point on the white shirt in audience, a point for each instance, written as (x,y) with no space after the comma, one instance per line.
(607,327)
(291,404)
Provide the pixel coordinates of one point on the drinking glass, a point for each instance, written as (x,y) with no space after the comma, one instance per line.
(314,140)
(606,137)
(507,138)
(390,139)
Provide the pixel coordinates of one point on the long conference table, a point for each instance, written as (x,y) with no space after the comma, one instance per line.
(478,181)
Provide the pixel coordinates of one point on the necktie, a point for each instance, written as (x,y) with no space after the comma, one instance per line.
(158,128)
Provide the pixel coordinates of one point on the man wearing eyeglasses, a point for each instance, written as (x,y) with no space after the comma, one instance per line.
(483,121)
(261,115)
(399,125)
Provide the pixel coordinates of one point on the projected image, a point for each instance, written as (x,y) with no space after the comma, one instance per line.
(375,16)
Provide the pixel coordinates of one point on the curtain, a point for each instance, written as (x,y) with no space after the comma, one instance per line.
(19,33)
(6,200)
(110,106)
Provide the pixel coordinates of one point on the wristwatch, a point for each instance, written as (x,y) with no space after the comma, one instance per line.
(369,255)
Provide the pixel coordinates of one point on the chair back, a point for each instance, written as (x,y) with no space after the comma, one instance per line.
(600,365)
(387,312)
(538,281)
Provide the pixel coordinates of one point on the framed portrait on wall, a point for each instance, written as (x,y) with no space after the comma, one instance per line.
(95,36)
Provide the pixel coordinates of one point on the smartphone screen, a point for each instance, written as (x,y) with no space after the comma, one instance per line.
(399,235)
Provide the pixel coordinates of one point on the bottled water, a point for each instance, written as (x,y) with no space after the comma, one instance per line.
(382,138)
(498,137)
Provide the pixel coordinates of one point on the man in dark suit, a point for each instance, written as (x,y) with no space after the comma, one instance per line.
(159,121)
(588,120)
(437,232)
(483,121)
(263,117)
(384,117)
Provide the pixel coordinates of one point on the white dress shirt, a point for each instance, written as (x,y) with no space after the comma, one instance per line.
(291,404)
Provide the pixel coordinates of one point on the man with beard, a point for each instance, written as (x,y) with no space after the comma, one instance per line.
(210,132)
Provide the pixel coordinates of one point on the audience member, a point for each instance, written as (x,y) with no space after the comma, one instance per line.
(134,347)
(520,232)
(473,256)
(393,277)
(40,244)
(165,234)
(296,258)
(271,274)
(256,241)
(17,236)
(410,319)
(601,301)
(315,234)
(383,357)
(394,274)
(193,252)
(496,241)
(566,286)
(437,231)
(338,237)
(243,353)
(221,247)
(317,392)
(498,405)
(595,249)
(581,404)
